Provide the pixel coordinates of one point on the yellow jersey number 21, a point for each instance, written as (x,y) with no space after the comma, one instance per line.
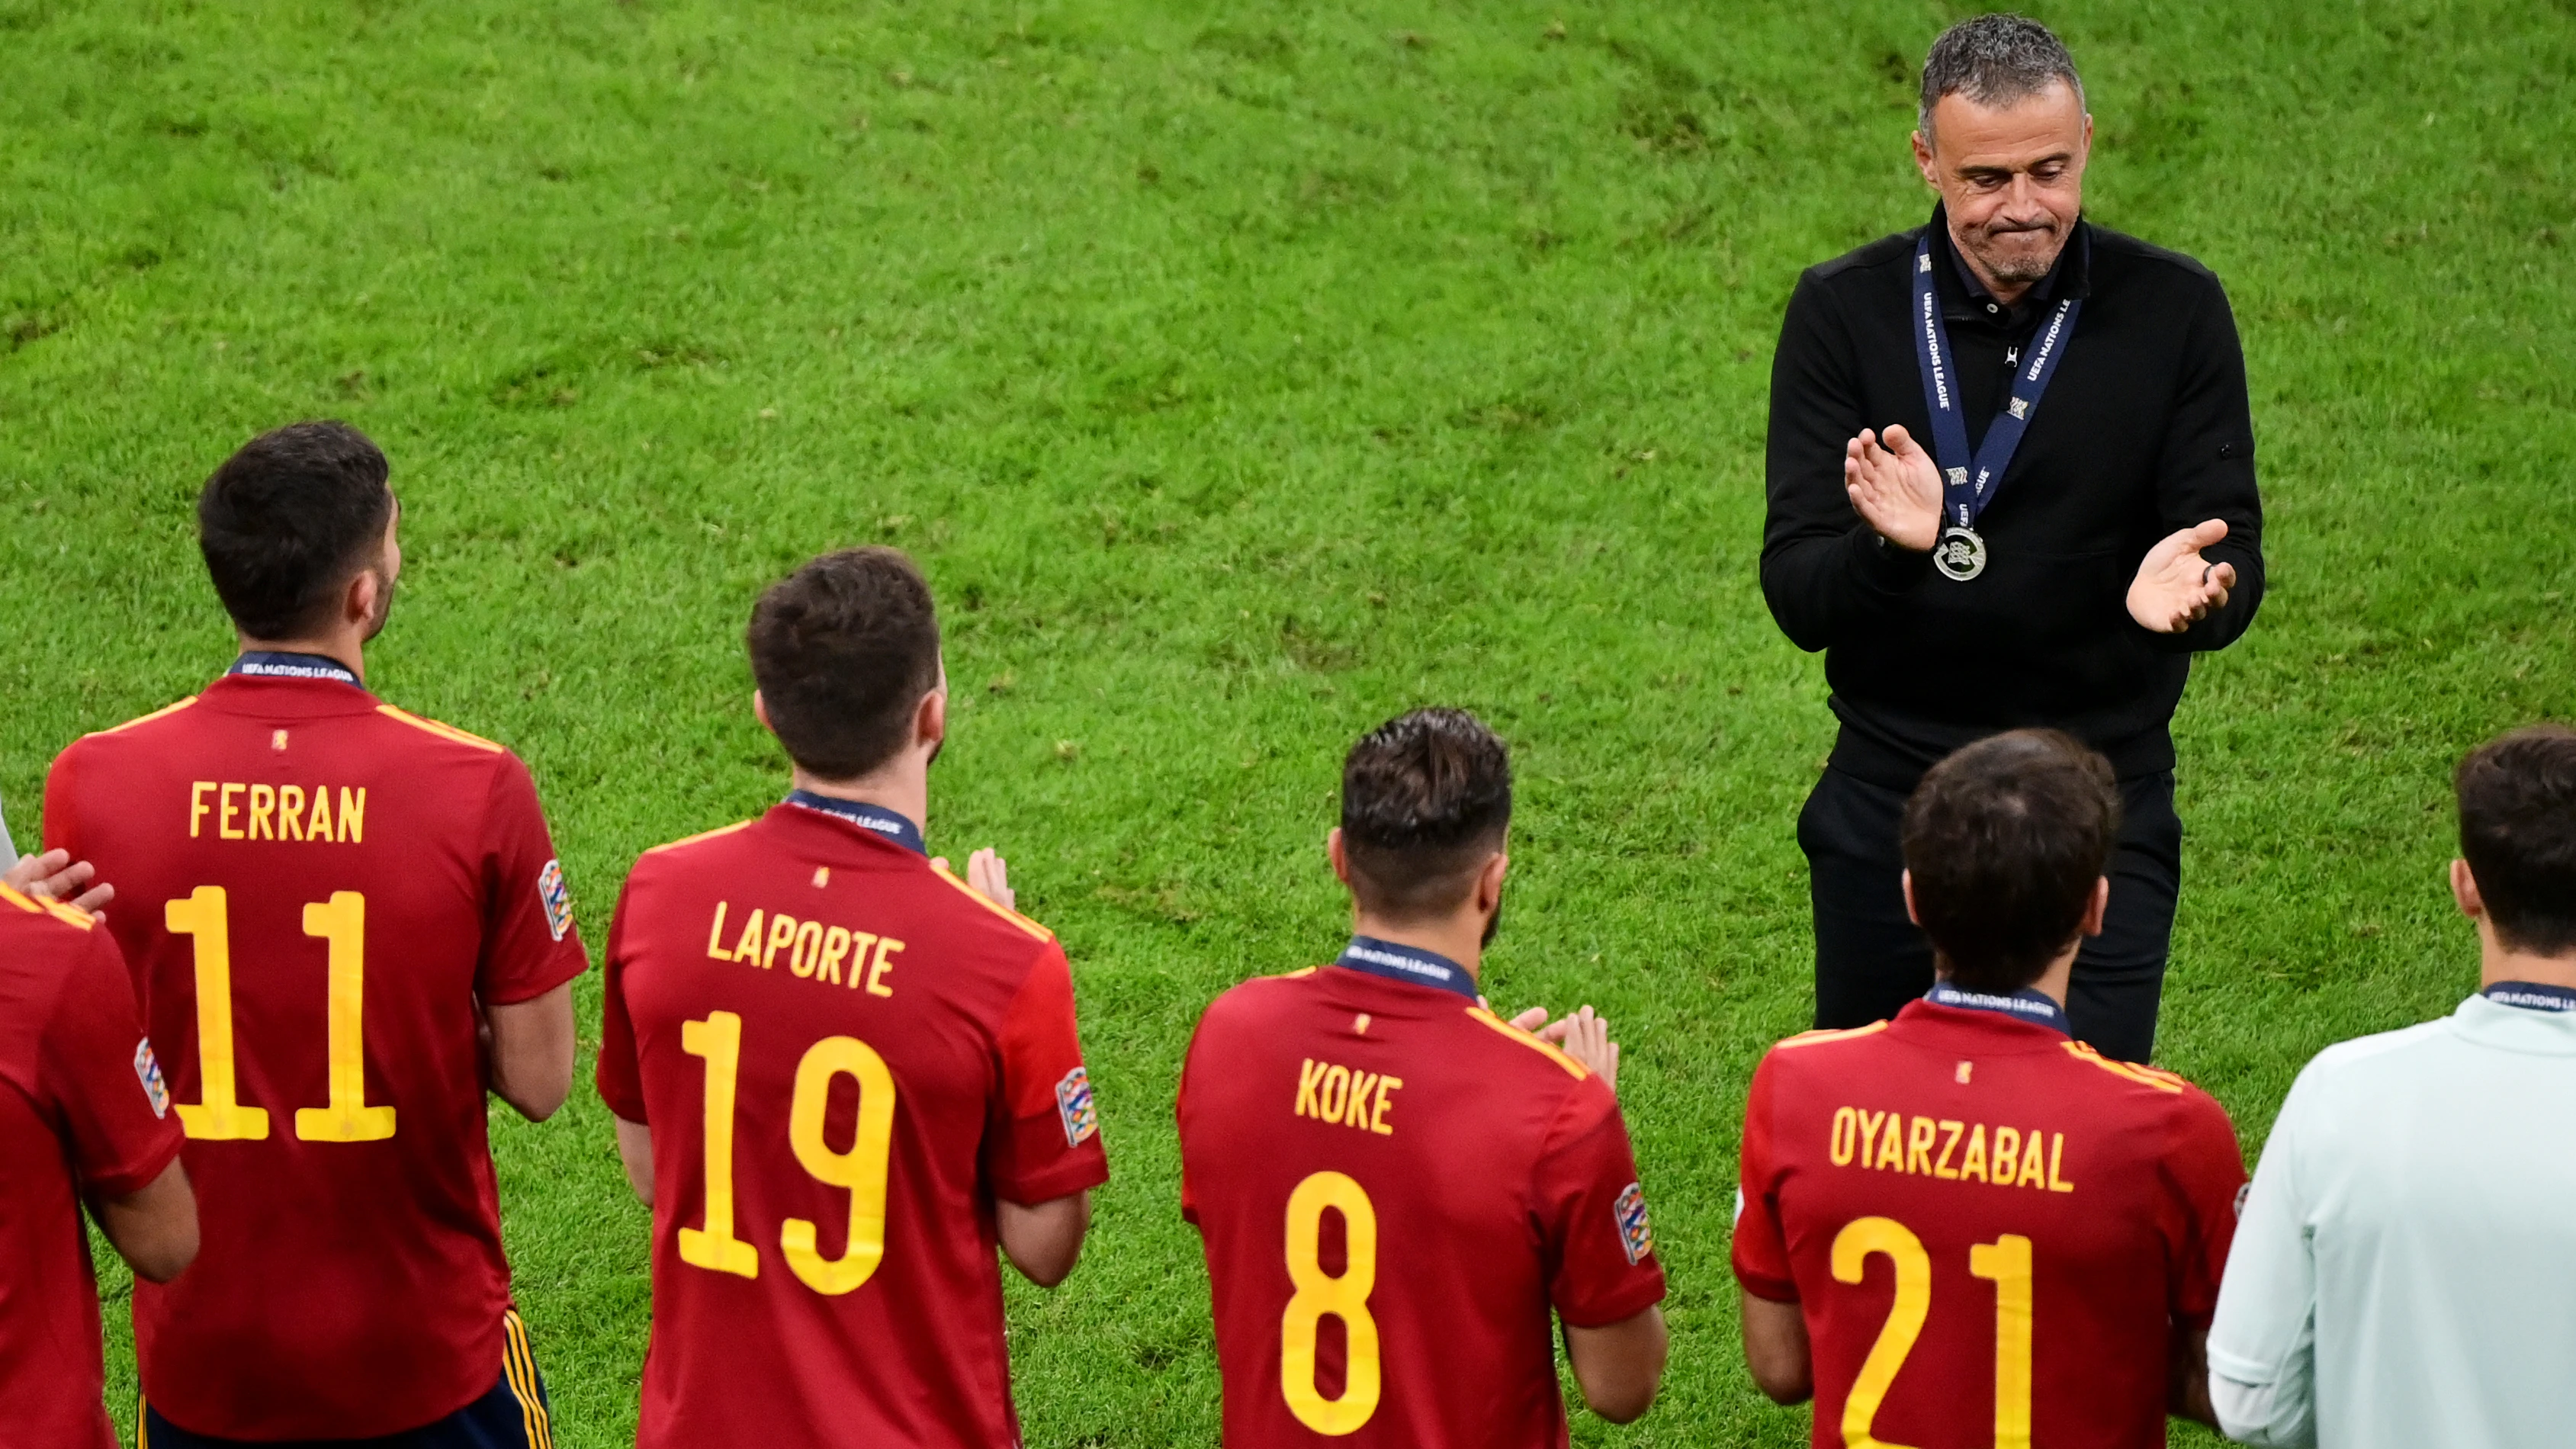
(2004,1262)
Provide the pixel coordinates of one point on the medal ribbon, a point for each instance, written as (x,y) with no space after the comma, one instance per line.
(1407,963)
(868,817)
(1967,483)
(269,664)
(2531,996)
(2023,1005)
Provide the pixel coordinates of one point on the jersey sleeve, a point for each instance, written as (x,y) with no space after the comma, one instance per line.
(1761,1251)
(529,944)
(100,1079)
(59,814)
(2206,1173)
(619,1075)
(1600,1248)
(1042,1136)
(2264,1333)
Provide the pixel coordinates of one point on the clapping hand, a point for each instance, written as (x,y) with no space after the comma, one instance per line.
(2175,587)
(989,874)
(1896,489)
(57,876)
(1584,1036)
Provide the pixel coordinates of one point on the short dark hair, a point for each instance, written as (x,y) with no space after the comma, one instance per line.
(2005,839)
(1994,60)
(2518,833)
(843,650)
(1426,798)
(289,519)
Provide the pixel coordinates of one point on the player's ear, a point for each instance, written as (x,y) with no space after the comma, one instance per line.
(1340,858)
(1906,881)
(1489,884)
(358,598)
(2100,903)
(760,712)
(2464,889)
(930,720)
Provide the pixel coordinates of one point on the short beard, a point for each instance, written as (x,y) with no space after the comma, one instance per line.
(2014,267)
(384,610)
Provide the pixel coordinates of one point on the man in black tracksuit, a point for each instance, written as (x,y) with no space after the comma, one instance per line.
(2101,565)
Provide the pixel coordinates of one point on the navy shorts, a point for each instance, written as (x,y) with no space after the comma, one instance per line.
(512,1416)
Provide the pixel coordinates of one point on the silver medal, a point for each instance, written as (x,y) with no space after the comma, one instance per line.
(1960,555)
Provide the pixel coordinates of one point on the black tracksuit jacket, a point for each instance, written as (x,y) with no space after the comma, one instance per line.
(2144,429)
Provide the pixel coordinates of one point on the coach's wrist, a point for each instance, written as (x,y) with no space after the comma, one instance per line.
(1886,565)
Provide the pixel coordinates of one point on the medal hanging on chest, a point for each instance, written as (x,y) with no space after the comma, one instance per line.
(1968,480)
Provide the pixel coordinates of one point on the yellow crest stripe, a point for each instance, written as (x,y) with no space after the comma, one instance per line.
(996,907)
(149,718)
(1819,1038)
(1480,1014)
(701,835)
(2145,1076)
(443,731)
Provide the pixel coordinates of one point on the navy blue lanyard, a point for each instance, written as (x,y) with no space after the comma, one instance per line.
(2023,1005)
(1407,963)
(1968,482)
(2531,996)
(875,818)
(269,664)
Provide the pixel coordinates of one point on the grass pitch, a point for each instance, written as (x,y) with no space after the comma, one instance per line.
(1243,375)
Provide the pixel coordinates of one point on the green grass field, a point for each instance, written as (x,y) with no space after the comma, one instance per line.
(1243,375)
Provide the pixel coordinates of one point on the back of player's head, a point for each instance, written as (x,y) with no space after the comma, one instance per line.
(2005,840)
(288,520)
(2518,834)
(1426,798)
(843,650)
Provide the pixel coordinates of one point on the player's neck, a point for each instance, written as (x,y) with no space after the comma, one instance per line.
(1461,938)
(902,787)
(347,649)
(2053,982)
(2499,962)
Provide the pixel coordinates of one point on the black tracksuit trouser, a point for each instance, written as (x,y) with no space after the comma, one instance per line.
(1871,960)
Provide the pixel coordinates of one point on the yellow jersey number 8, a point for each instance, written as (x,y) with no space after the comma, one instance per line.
(861,1168)
(1320,1294)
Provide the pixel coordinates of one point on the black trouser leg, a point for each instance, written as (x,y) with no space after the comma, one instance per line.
(2120,975)
(1871,960)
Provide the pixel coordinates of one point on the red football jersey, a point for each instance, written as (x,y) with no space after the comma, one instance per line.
(314,890)
(82,1109)
(845,1055)
(1991,1229)
(1394,1187)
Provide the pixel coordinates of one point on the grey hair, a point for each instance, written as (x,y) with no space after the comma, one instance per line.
(1994,60)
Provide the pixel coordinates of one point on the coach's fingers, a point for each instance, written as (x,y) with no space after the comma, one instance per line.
(95,899)
(1531,1020)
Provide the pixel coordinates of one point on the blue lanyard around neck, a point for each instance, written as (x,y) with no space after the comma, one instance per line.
(1968,482)
(2023,1005)
(1407,963)
(2531,996)
(874,818)
(274,664)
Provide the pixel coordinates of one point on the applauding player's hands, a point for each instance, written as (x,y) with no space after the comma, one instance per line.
(989,874)
(56,875)
(1896,489)
(2175,587)
(1584,1036)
